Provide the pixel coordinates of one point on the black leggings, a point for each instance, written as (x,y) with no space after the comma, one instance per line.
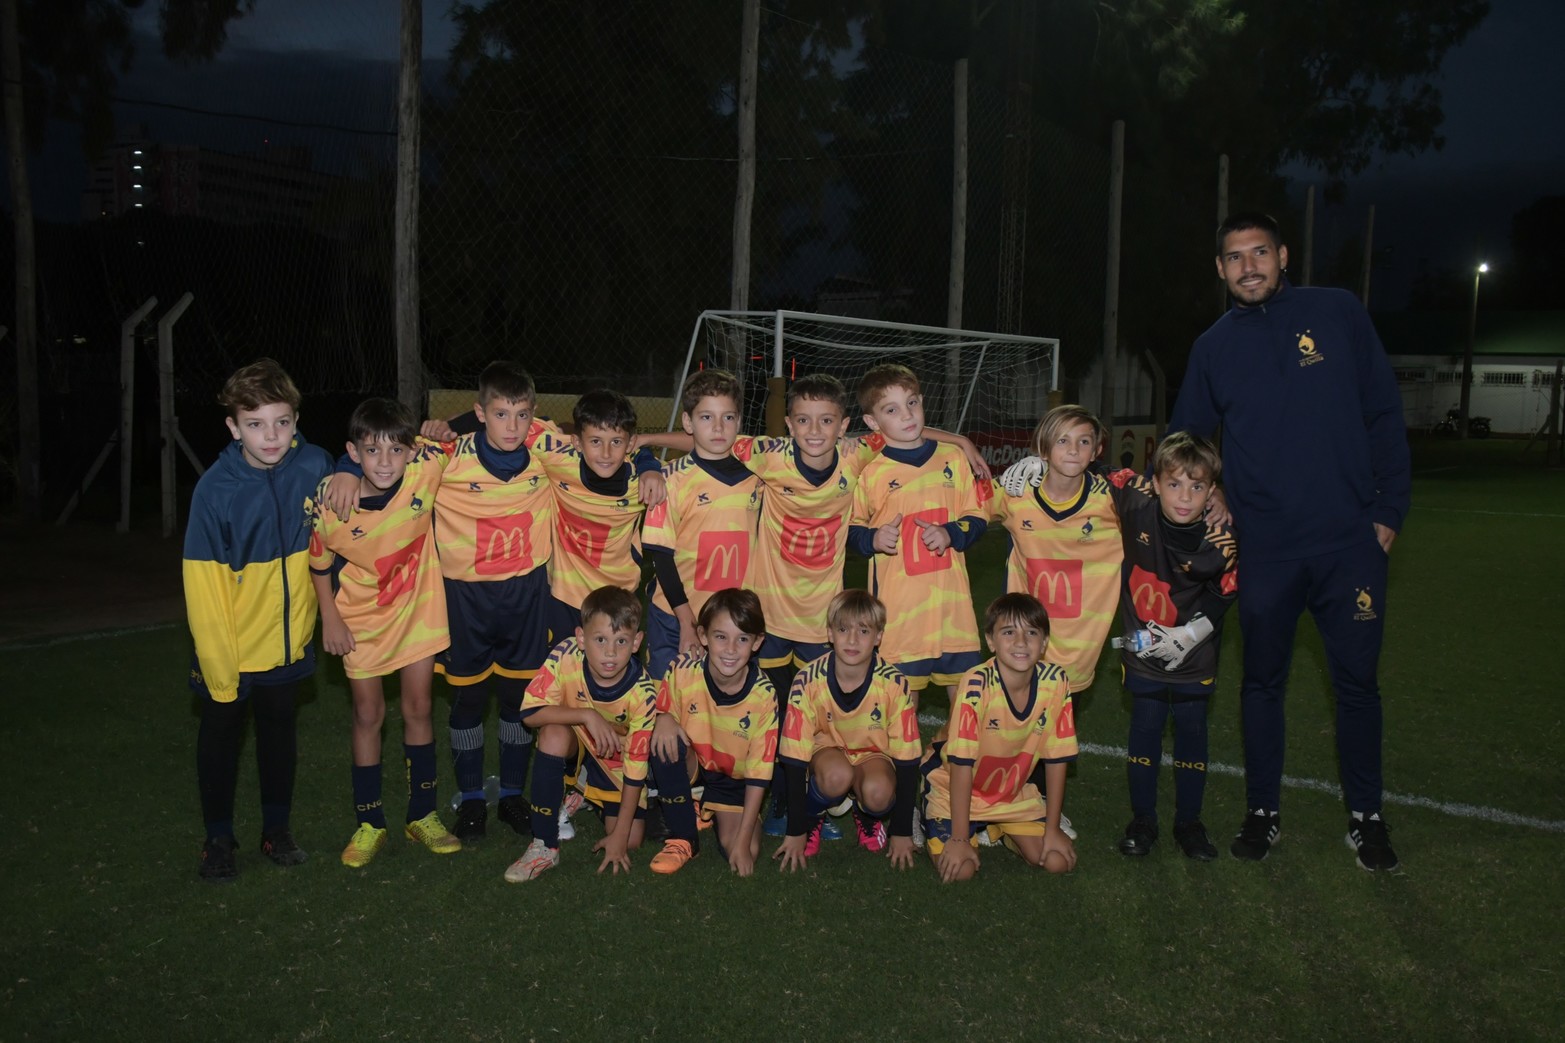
(276,756)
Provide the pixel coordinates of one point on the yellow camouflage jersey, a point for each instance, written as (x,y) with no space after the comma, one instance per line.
(929,606)
(389,589)
(490,528)
(732,735)
(630,707)
(879,719)
(1069,560)
(804,532)
(1002,743)
(708,526)
(597,538)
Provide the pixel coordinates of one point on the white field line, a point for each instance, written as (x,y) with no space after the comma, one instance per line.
(92,635)
(1332,789)
(1472,510)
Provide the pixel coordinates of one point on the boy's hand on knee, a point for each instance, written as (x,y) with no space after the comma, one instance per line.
(956,856)
(666,737)
(1058,849)
(601,734)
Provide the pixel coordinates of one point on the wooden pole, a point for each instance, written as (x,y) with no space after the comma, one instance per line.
(27,418)
(1309,236)
(744,188)
(1111,279)
(168,423)
(410,365)
(128,404)
(958,269)
(1369,254)
(1467,355)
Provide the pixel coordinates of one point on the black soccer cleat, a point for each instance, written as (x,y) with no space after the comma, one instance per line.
(217,860)
(1140,837)
(1371,838)
(1193,841)
(279,846)
(471,819)
(515,812)
(1261,829)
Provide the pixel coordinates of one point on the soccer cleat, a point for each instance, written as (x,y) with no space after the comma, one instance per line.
(673,857)
(432,833)
(217,860)
(363,846)
(982,833)
(1193,841)
(776,826)
(1066,827)
(1140,837)
(1371,838)
(515,812)
(535,860)
(872,832)
(471,819)
(279,846)
(918,832)
(1261,829)
(812,840)
(572,803)
(829,830)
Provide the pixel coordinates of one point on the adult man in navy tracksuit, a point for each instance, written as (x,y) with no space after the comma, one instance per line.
(1316,471)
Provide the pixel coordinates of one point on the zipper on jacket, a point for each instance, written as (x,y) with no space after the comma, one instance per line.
(282,543)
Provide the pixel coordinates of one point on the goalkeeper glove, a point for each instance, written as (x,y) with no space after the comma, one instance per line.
(1026,472)
(1173,645)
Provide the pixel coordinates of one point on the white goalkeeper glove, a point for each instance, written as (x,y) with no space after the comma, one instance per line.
(1172,645)
(1024,473)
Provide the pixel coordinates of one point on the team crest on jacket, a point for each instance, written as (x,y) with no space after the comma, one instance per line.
(1366,606)
(1308,354)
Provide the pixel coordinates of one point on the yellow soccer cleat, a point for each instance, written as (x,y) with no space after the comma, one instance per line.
(365,845)
(432,833)
(673,857)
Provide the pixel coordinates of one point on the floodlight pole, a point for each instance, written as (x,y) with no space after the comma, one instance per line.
(1467,353)
(168,422)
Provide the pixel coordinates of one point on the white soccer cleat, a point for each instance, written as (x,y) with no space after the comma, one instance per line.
(572,803)
(535,861)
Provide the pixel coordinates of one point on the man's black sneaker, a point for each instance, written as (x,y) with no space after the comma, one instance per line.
(471,819)
(217,860)
(515,812)
(279,846)
(1193,841)
(1140,835)
(1260,831)
(1371,838)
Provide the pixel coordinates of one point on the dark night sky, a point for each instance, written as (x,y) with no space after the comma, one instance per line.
(335,63)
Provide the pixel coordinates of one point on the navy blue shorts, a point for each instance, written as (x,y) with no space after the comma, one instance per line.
(497,628)
(783,651)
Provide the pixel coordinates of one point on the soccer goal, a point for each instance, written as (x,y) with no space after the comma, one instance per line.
(992,387)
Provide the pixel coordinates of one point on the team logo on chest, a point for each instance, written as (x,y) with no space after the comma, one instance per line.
(1308,354)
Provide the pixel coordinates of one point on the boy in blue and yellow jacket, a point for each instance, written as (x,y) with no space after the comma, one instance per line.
(251,607)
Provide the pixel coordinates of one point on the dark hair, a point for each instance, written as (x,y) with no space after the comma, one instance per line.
(877,380)
(742,606)
(817,387)
(622,608)
(1016,608)
(505,380)
(382,420)
(261,383)
(1183,451)
(604,408)
(1245,220)
(856,606)
(708,383)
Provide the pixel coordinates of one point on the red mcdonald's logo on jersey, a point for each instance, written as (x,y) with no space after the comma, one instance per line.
(810,543)
(910,725)
(917,558)
(1057,584)
(713,759)
(585,538)
(396,574)
(998,779)
(1065,727)
(793,724)
(769,754)
(1151,597)
(317,547)
(640,745)
(1230,581)
(967,722)
(503,545)
(722,559)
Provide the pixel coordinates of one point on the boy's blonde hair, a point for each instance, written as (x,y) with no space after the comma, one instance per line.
(1183,451)
(261,383)
(709,383)
(1061,418)
(877,380)
(855,606)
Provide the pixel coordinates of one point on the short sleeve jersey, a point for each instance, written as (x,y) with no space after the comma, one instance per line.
(804,533)
(733,735)
(709,527)
(1003,744)
(597,538)
(879,717)
(389,588)
(929,606)
(629,707)
(1069,560)
(487,528)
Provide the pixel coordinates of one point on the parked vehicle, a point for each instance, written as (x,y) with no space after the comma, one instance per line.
(1451,426)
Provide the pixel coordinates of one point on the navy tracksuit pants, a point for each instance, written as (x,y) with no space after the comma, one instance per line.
(1345,592)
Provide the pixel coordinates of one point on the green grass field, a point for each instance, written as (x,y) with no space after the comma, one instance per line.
(110,935)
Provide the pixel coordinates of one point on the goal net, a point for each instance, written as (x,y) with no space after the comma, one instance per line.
(992,387)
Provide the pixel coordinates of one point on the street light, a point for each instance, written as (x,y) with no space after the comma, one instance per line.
(1467,355)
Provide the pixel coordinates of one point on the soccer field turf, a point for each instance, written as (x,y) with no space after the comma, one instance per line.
(110,935)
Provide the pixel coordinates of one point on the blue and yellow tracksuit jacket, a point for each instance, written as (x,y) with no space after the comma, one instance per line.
(247,565)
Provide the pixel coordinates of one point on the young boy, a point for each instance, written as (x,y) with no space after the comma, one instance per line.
(1009,714)
(591,700)
(852,727)
(251,608)
(716,725)
(1178,580)
(702,536)
(383,609)
(916,510)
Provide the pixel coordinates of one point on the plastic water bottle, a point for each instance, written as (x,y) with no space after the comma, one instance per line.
(491,793)
(1137,641)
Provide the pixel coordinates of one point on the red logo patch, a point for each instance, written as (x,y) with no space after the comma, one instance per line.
(918,559)
(810,543)
(503,545)
(640,746)
(910,725)
(722,559)
(793,724)
(1058,584)
(1230,581)
(999,779)
(1151,598)
(713,759)
(967,722)
(1065,727)
(397,573)
(585,538)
